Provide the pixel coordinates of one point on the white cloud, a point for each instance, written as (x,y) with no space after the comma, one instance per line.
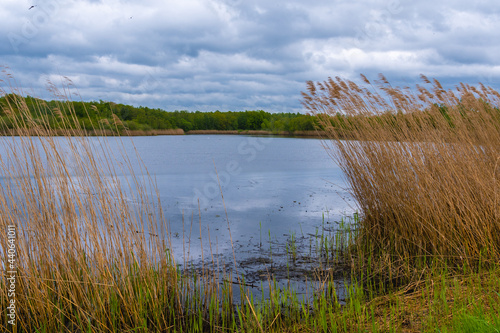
(210,62)
(235,54)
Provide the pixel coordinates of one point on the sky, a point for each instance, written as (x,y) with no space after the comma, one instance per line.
(238,55)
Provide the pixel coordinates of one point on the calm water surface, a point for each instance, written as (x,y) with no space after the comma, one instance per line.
(270,186)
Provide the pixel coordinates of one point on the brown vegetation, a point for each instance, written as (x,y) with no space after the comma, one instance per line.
(177,131)
(91,251)
(93,132)
(423,164)
(316,134)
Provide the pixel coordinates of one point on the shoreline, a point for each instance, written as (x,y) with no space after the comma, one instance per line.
(179,131)
(311,134)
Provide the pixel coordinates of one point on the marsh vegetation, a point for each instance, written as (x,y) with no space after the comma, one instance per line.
(422,255)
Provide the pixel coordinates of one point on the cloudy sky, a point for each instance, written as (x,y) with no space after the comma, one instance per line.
(242,54)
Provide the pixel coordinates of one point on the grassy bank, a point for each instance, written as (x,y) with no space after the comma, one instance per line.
(151,132)
(92,132)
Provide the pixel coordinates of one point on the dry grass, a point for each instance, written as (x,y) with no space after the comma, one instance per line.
(423,164)
(246,132)
(315,134)
(177,131)
(92,248)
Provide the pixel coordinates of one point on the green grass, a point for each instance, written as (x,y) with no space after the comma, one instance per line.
(472,323)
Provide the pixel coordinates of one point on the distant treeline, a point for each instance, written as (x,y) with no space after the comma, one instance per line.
(112,116)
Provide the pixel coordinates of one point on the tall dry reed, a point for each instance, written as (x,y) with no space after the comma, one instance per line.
(92,246)
(422,163)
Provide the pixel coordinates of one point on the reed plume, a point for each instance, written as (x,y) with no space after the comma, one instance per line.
(422,163)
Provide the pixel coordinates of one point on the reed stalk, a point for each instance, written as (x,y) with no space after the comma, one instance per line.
(423,164)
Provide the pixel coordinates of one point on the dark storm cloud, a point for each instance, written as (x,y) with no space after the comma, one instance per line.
(235,54)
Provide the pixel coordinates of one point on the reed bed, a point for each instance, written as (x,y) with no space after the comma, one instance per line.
(422,163)
(85,255)
(177,131)
(245,132)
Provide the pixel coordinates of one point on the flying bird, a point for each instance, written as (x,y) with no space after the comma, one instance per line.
(32,7)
